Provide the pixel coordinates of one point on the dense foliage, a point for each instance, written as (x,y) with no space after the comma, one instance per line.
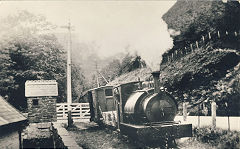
(218,137)
(30,52)
(205,75)
(116,67)
(209,72)
(196,18)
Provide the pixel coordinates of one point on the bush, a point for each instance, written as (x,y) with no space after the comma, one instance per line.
(217,137)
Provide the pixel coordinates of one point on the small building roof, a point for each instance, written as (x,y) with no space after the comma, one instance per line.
(8,114)
(141,73)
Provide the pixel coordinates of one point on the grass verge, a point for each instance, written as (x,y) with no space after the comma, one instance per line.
(220,138)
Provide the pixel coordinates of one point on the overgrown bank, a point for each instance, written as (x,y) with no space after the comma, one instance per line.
(217,137)
(210,71)
(205,75)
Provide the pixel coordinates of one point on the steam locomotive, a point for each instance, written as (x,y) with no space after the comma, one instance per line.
(143,113)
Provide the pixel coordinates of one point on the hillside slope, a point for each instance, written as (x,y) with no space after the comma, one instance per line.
(196,18)
(210,70)
(204,75)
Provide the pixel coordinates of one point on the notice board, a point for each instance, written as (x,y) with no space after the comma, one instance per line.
(37,88)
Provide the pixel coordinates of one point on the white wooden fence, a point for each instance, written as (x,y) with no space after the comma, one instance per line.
(233,123)
(224,122)
(80,111)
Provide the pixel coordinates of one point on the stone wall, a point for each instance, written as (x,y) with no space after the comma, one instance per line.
(41,109)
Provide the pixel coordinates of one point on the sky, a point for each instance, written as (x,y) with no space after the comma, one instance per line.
(112,25)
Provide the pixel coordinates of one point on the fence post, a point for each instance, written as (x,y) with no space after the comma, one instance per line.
(176,53)
(227,108)
(203,38)
(184,111)
(228,122)
(64,111)
(213,114)
(197,44)
(191,47)
(218,34)
(198,115)
(226,32)
(209,35)
(80,112)
(235,33)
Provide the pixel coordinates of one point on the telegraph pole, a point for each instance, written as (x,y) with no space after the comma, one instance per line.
(97,74)
(69,78)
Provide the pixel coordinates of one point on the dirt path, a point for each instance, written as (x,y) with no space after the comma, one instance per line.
(91,136)
(192,143)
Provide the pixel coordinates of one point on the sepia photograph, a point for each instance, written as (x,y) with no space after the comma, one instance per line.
(120,74)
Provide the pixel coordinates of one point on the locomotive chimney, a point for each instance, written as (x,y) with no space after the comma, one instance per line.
(155,75)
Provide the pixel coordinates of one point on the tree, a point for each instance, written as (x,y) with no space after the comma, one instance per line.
(131,62)
(30,53)
(110,71)
(30,59)
(198,18)
(79,83)
(117,67)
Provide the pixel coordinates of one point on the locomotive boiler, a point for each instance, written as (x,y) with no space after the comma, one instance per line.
(145,114)
(145,106)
